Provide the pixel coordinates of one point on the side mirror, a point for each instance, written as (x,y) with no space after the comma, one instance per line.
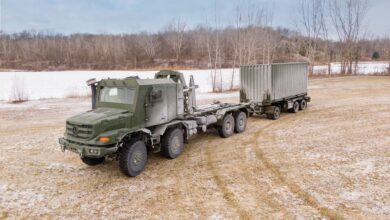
(155,94)
(92,84)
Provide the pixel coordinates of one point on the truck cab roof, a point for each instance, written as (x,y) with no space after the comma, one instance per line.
(134,82)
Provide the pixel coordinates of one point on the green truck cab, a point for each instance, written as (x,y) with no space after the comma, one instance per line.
(125,110)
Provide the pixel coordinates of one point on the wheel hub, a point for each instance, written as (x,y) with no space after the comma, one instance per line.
(175,144)
(228,126)
(137,158)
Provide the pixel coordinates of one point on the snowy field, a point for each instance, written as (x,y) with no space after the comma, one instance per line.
(363,68)
(61,84)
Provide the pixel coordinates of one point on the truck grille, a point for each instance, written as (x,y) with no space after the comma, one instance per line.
(79,131)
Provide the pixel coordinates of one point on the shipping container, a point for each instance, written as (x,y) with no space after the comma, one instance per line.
(268,83)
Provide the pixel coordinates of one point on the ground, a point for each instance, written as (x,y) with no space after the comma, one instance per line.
(331,161)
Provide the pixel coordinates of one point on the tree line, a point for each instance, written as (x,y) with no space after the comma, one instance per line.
(250,39)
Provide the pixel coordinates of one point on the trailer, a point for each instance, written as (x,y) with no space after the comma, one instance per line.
(132,117)
(273,88)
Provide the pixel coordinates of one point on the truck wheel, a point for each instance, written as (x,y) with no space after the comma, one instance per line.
(172,143)
(275,115)
(240,122)
(295,107)
(132,158)
(302,104)
(92,161)
(227,128)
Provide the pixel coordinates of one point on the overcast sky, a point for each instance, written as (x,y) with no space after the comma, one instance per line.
(129,16)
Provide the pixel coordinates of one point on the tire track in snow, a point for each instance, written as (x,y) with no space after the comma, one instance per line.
(292,186)
(222,185)
(230,197)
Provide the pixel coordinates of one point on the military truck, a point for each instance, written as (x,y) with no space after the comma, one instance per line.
(132,117)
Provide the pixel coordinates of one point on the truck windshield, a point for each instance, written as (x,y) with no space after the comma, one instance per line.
(121,95)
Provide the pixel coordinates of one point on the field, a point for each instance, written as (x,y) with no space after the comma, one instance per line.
(331,161)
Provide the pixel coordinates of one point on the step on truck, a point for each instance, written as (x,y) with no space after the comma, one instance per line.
(132,117)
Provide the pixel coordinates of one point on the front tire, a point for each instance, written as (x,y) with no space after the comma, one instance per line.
(132,158)
(90,161)
(172,143)
(227,128)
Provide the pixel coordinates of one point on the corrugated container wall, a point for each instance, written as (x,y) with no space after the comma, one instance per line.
(272,82)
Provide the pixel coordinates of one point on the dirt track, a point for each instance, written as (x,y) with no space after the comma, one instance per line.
(331,161)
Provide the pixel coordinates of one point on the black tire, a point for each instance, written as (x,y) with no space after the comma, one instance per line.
(227,128)
(275,115)
(295,107)
(90,161)
(172,143)
(132,158)
(239,122)
(302,104)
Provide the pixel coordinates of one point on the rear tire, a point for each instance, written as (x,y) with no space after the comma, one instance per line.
(295,107)
(132,158)
(302,104)
(172,143)
(240,122)
(276,114)
(227,128)
(90,161)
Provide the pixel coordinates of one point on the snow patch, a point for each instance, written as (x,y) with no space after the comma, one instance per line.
(216,216)
(13,197)
(362,68)
(60,84)
(352,196)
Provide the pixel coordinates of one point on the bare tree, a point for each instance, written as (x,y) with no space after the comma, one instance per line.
(174,36)
(149,43)
(271,38)
(387,46)
(250,39)
(312,22)
(347,18)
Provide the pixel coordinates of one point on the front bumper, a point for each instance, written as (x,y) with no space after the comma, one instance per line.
(86,150)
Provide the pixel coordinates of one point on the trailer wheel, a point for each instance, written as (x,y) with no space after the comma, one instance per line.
(133,157)
(295,107)
(302,104)
(92,161)
(240,122)
(172,143)
(227,128)
(275,115)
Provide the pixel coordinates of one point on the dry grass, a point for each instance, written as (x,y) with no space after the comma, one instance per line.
(19,93)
